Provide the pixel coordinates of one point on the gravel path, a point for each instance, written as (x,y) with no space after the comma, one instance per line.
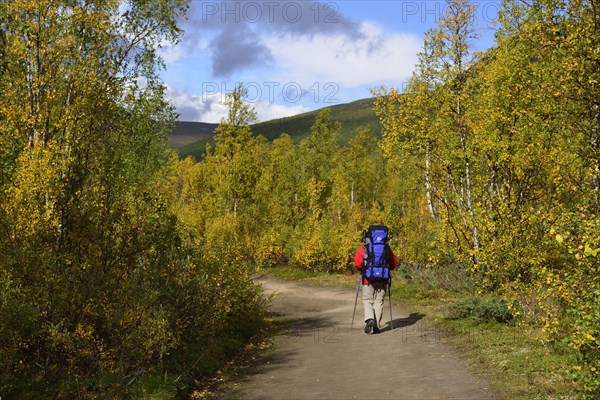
(318,357)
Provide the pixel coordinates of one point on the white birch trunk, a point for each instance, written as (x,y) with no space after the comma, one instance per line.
(428,184)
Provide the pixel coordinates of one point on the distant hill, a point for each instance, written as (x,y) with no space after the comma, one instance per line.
(352,116)
(186,133)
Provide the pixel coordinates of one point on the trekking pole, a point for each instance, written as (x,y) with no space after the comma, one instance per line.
(355,301)
(390,298)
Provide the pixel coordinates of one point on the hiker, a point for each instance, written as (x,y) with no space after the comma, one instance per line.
(374,259)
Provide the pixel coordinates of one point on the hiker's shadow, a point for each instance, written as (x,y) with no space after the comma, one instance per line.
(412,319)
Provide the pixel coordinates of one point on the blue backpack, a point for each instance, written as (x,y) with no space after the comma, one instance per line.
(375,264)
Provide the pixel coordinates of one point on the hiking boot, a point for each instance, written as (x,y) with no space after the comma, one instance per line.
(369,326)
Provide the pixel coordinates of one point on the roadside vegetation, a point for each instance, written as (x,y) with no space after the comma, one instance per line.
(105,292)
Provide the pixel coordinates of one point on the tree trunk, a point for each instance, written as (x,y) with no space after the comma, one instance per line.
(428,183)
(468,187)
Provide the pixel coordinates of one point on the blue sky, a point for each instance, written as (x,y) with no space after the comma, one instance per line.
(296,56)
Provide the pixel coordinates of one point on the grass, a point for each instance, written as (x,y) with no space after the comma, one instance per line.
(516,364)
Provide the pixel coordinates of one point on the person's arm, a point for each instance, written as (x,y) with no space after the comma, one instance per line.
(359,257)
(392,261)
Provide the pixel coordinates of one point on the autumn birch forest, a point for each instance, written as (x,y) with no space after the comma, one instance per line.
(121,265)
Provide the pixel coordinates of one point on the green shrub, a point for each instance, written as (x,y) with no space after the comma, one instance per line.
(481,309)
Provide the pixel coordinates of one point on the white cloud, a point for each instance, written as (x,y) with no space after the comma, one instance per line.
(266,111)
(209,107)
(194,108)
(320,69)
(374,58)
(233,31)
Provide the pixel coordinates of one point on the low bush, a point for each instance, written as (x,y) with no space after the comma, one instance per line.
(481,309)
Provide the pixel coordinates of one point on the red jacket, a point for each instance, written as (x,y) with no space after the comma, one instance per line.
(360,256)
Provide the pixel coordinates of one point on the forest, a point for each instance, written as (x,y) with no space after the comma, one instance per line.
(122,267)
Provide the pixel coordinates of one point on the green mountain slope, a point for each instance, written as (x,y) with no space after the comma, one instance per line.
(352,116)
(186,133)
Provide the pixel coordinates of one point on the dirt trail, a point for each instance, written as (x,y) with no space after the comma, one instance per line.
(318,357)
